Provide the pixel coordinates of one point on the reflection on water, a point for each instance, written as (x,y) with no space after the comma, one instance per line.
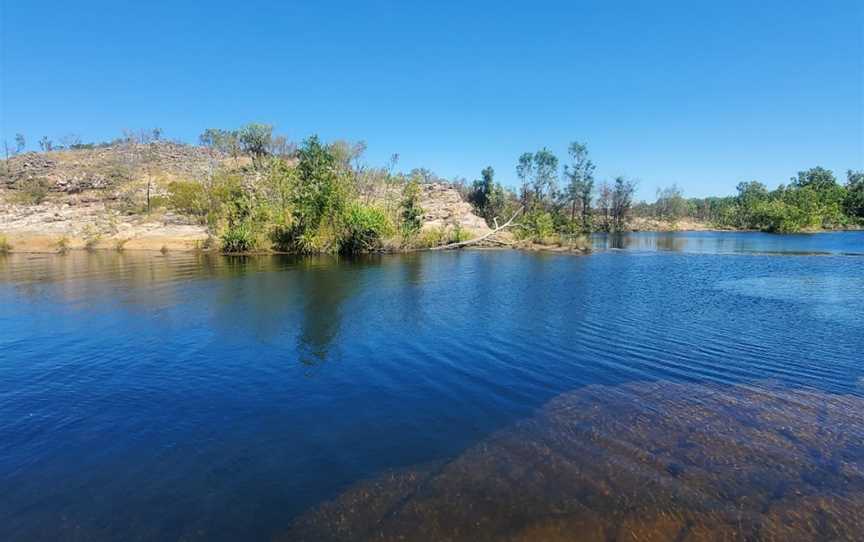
(201,397)
(847,243)
(650,461)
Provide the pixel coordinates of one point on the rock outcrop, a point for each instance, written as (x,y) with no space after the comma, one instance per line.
(443,207)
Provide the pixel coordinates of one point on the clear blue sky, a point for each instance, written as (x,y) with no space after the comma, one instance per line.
(705,94)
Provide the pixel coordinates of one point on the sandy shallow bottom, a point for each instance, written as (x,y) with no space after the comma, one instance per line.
(647,461)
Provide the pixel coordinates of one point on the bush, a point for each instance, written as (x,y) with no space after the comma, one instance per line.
(188,198)
(364,229)
(411,212)
(537,226)
(5,247)
(239,238)
(436,237)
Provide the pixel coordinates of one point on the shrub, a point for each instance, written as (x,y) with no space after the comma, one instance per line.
(431,237)
(538,226)
(239,238)
(411,213)
(5,247)
(188,198)
(364,229)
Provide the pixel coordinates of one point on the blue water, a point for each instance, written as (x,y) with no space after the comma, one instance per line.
(204,397)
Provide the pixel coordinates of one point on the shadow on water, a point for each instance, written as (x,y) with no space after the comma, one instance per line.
(645,461)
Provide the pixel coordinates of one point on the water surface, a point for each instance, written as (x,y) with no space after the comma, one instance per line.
(204,397)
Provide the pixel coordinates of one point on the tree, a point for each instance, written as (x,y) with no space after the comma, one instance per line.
(423,174)
(222,141)
(525,170)
(545,174)
(20,143)
(622,201)
(45,144)
(255,140)
(487,196)
(854,204)
(581,175)
(817,178)
(604,204)
(670,204)
(411,212)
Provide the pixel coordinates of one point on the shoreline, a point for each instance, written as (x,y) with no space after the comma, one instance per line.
(197,241)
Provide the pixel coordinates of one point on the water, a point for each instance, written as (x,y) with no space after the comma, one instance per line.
(204,397)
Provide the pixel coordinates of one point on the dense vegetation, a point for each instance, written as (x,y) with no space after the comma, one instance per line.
(552,212)
(812,200)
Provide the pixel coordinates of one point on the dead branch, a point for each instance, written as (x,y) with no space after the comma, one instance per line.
(482,237)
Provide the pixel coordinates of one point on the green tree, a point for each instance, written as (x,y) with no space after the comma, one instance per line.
(410,211)
(525,171)
(817,178)
(580,174)
(854,203)
(622,201)
(545,174)
(487,196)
(256,140)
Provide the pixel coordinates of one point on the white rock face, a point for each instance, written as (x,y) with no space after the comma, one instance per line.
(444,208)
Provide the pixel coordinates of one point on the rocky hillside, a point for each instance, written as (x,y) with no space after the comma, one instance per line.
(92,198)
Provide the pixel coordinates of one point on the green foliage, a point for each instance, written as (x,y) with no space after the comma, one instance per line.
(256,140)
(813,200)
(364,229)
(238,238)
(854,202)
(5,246)
(436,237)
(411,213)
(487,196)
(537,226)
(580,174)
(189,198)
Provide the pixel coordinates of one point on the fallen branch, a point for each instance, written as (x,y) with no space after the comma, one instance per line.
(482,237)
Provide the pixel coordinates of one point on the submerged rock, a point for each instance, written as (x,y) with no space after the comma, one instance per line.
(648,461)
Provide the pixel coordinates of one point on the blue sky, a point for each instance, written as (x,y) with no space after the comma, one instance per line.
(705,94)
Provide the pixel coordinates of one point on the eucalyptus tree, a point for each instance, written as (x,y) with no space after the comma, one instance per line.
(622,200)
(525,171)
(545,174)
(580,174)
(256,140)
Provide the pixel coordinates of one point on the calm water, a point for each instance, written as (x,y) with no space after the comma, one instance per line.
(202,397)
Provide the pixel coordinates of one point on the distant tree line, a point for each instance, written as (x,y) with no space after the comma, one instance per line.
(814,199)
